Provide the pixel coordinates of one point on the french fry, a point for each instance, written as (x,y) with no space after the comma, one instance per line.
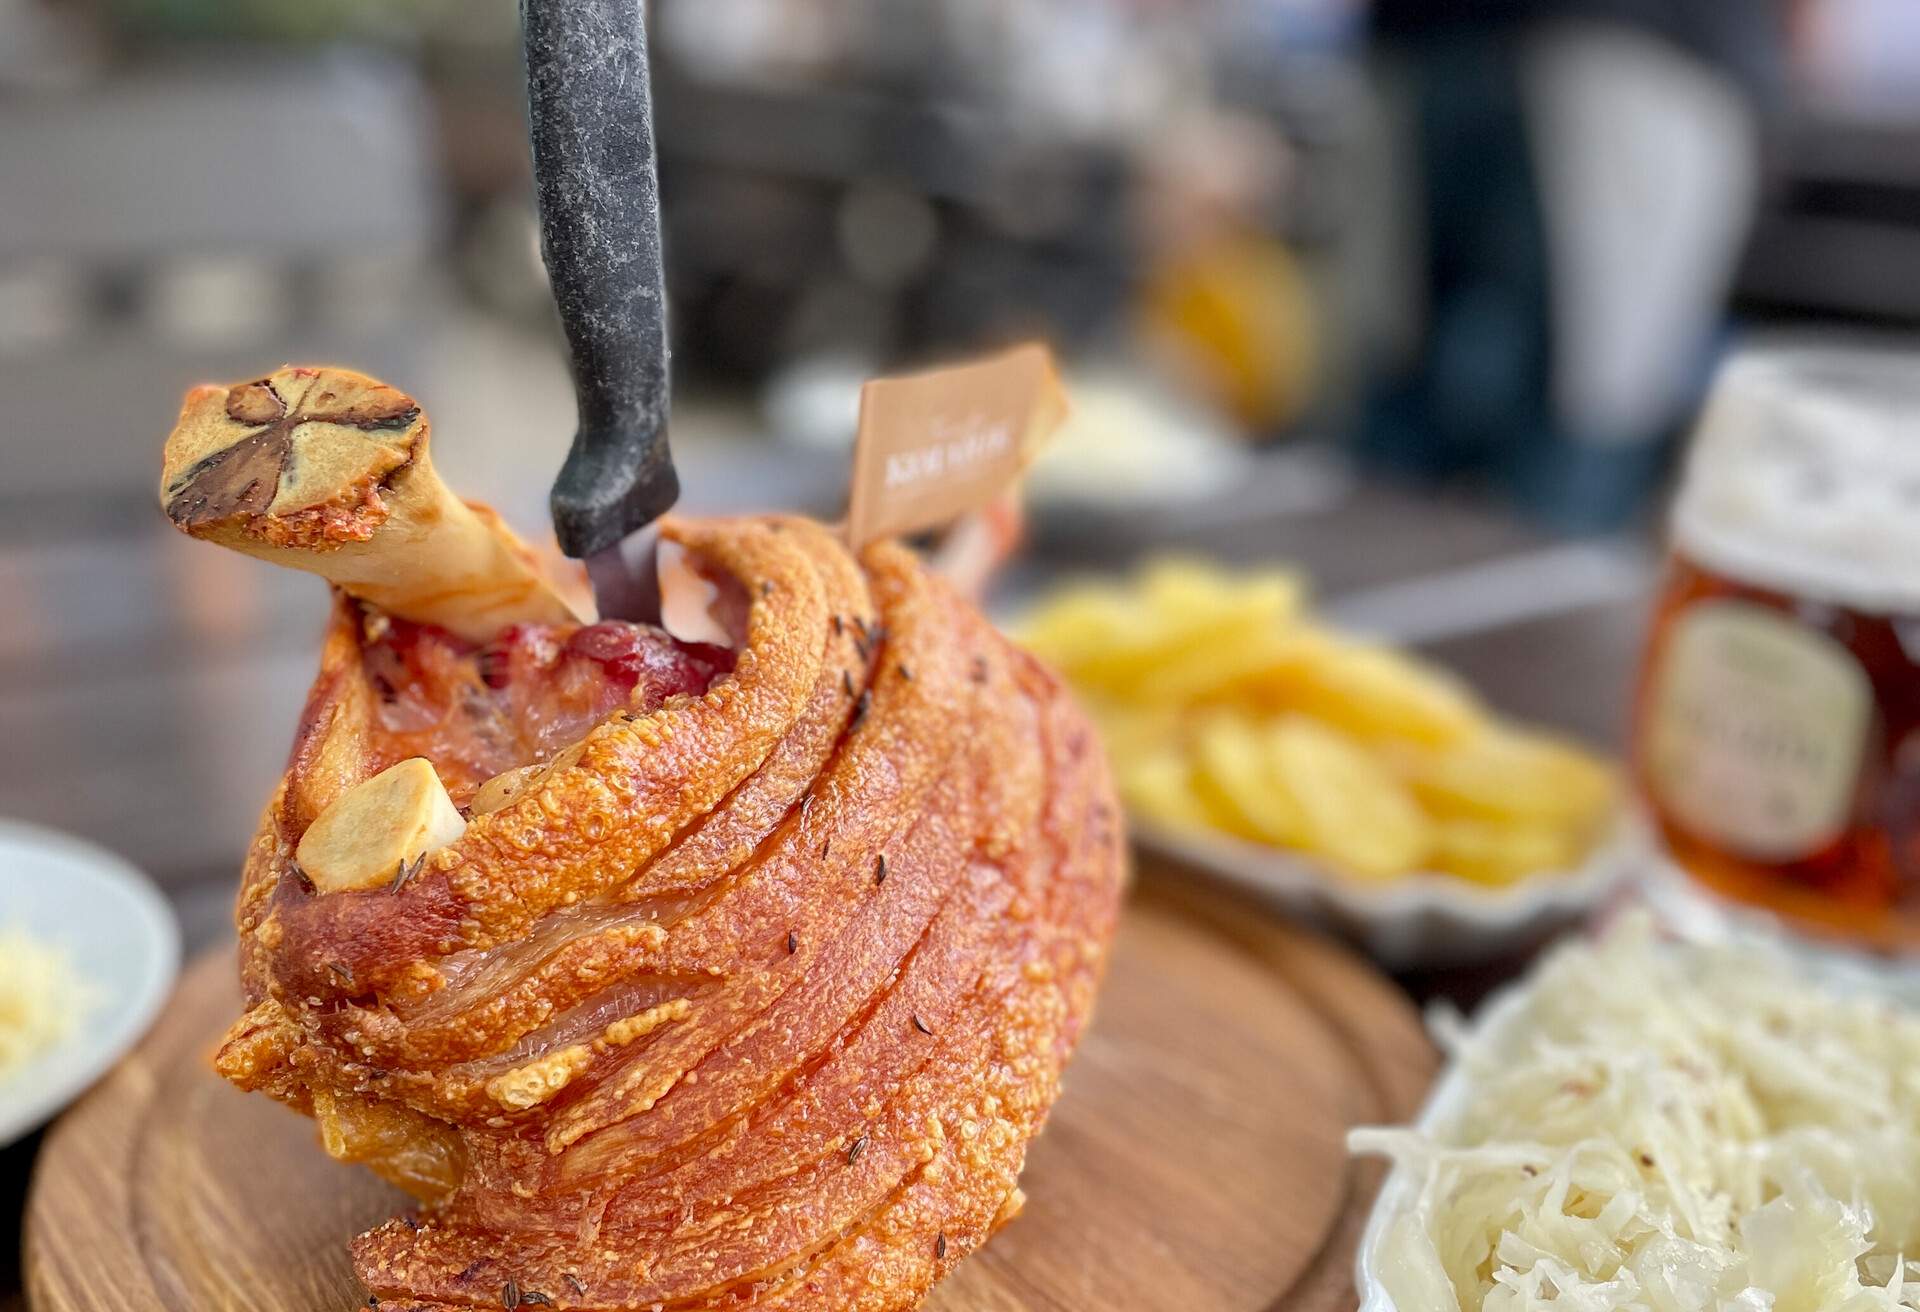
(1371,692)
(1351,809)
(1220,672)
(1226,708)
(1181,589)
(1079,622)
(1158,785)
(1133,731)
(1234,778)
(1500,853)
(1510,775)
(1182,616)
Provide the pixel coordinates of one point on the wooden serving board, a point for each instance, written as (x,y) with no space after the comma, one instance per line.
(1195,1161)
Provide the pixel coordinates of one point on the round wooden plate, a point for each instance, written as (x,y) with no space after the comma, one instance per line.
(1195,1160)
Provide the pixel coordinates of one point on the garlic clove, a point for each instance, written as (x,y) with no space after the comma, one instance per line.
(378,826)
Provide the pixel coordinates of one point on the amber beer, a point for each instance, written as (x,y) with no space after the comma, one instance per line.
(1777,725)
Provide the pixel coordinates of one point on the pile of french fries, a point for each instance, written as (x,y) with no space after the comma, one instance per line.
(1227,708)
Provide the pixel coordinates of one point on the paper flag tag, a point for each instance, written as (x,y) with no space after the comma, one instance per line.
(935,445)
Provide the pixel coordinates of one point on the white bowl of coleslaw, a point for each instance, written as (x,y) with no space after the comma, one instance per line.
(1648,1124)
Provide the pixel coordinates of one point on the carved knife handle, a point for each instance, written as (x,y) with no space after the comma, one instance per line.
(590,110)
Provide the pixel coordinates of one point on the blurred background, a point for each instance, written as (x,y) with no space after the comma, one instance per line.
(1415,295)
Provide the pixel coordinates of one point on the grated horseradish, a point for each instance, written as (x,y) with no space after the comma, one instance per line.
(40,998)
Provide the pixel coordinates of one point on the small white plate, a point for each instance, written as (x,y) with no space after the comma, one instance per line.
(1417,920)
(123,942)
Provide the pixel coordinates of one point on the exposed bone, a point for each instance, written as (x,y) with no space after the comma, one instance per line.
(975,548)
(328,471)
(688,599)
(379,828)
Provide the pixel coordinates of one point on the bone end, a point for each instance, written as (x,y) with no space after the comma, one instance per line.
(294,459)
(328,471)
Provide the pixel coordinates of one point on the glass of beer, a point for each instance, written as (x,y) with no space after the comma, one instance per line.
(1777,723)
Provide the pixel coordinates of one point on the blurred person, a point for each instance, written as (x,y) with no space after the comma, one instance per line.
(1588,171)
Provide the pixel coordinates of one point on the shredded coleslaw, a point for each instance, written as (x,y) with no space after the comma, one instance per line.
(1671,1128)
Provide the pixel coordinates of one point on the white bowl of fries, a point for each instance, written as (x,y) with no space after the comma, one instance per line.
(1425,919)
(1346,781)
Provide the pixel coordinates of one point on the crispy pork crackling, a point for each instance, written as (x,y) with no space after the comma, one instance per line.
(665,975)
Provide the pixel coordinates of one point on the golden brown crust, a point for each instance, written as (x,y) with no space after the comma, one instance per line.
(756,1002)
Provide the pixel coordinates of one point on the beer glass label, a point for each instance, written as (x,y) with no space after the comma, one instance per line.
(1757,730)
